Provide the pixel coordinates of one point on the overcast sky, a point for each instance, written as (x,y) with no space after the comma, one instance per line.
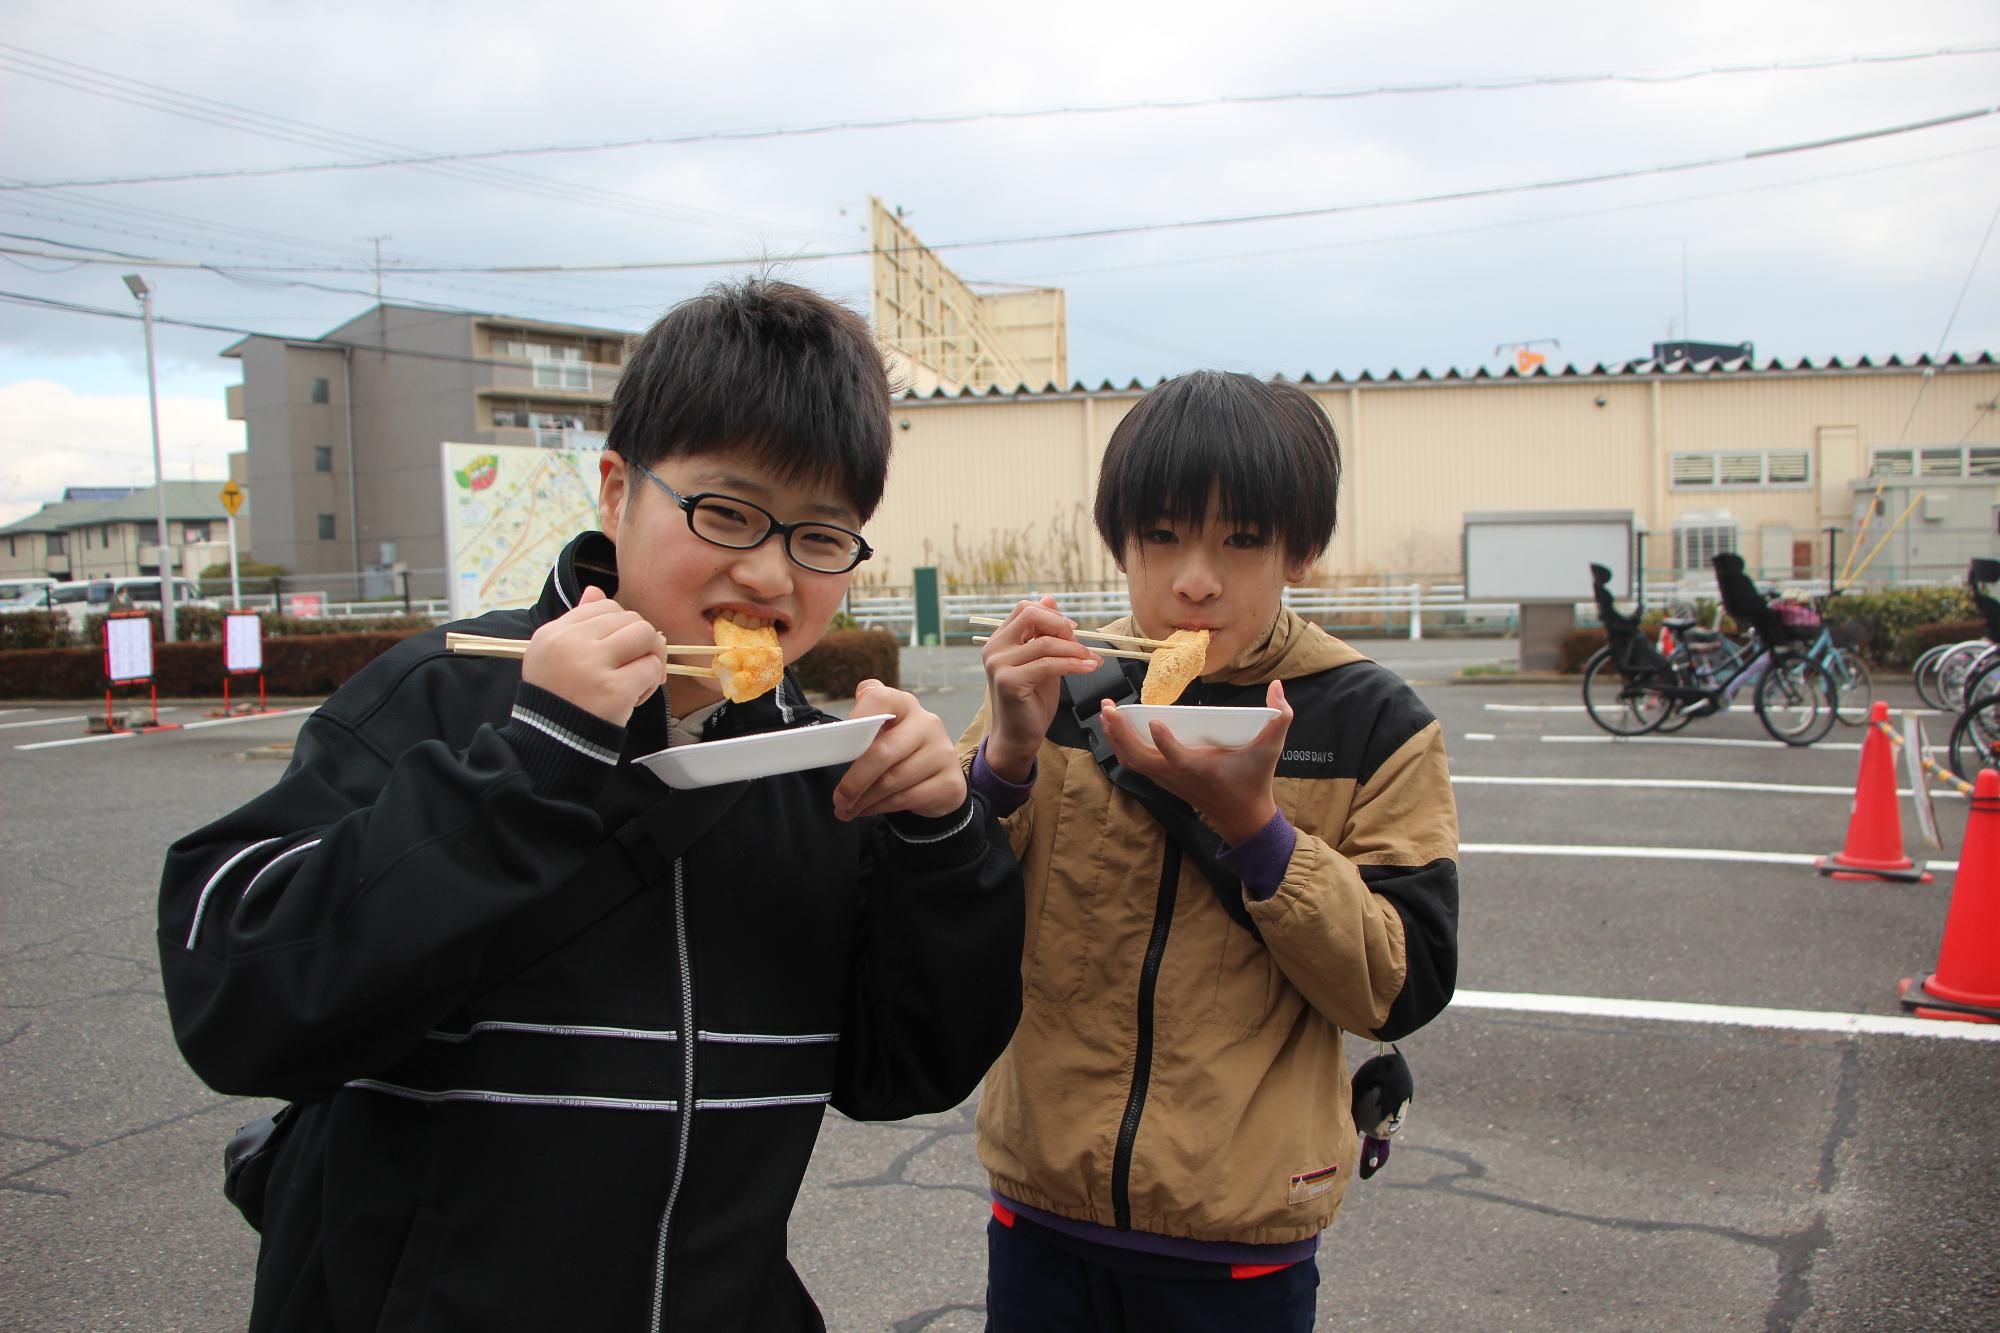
(1859,248)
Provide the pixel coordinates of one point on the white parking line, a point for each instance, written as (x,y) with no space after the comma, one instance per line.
(1658,853)
(1726,1015)
(43,722)
(185,726)
(1729,741)
(1579,708)
(1678,784)
(247,717)
(1480,736)
(79,740)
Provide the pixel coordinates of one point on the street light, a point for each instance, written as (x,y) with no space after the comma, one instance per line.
(139,288)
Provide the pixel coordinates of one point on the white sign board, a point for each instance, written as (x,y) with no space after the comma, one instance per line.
(243,642)
(1546,555)
(128,648)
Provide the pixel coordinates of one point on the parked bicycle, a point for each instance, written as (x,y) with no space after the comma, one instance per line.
(1975,735)
(1836,646)
(1630,687)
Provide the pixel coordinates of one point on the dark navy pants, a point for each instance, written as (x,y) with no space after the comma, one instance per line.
(1038,1281)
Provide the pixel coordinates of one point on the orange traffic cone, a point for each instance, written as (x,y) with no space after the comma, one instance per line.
(1966,985)
(1874,847)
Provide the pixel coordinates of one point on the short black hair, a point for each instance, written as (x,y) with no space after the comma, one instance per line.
(792,379)
(1264,448)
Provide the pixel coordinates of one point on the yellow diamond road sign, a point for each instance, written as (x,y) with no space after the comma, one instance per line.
(232,497)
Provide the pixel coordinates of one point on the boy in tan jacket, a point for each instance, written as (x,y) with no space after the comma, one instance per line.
(1169,1130)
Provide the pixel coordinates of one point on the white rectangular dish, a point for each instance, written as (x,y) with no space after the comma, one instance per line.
(741,758)
(1194,725)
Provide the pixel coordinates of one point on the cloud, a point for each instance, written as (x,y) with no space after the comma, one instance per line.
(52,436)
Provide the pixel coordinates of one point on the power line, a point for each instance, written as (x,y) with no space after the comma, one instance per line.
(227,115)
(1132,229)
(413,158)
(1044,275)
(1925,383)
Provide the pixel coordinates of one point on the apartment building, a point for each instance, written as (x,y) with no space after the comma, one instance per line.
(106,532)
(344,430)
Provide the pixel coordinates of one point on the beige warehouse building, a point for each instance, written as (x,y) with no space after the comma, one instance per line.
(1709,454)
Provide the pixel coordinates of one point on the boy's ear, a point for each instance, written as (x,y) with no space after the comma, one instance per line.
(612,479)
(1297,570)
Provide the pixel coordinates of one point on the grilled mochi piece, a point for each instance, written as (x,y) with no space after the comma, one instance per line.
(1175,666)
(751,662)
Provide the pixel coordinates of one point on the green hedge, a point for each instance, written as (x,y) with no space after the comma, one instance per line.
(35,629)
(308,665)
(846,657)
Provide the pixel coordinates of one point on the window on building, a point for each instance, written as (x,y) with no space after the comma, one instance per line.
(322,389)
(1936,460)
(149,534)
(103,537)
(322,458)
(10,546)
(58,544)
(1693,469)
(194,532)
(326,527)
(1942,462)
(1740,469)
(1788,467)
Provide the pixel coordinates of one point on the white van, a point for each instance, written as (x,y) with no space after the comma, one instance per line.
(25,594)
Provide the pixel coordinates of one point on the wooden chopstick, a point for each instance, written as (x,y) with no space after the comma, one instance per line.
(480,645)
(1101,652)
(1132,639)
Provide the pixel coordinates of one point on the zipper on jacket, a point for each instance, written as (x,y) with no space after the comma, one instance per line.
(1142,1061)
(687,1095)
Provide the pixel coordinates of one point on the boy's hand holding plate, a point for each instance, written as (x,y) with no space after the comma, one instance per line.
(1230,787)
(911,766)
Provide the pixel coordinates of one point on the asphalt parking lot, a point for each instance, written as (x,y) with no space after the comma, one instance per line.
(1581,1154)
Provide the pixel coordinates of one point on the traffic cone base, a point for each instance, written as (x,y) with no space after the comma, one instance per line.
(1840,867)
(1874,848)
(1920,999)
(1966,984)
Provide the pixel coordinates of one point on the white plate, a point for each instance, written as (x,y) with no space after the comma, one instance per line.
(741,758)
(1191,725)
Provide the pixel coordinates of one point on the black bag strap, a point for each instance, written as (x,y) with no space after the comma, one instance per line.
(1203,845)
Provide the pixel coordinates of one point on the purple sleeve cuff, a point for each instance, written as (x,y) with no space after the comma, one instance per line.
(1002,797)
(1260,859)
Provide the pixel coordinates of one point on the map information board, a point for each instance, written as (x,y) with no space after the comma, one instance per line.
(508,511)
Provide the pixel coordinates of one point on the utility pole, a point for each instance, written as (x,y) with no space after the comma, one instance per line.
(139,288)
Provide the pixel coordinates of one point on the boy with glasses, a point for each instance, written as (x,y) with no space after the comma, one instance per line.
(558,1038)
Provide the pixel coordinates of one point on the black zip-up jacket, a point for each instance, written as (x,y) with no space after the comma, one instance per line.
(497,965)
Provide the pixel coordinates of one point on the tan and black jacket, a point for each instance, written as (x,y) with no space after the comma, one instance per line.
(1172,1073)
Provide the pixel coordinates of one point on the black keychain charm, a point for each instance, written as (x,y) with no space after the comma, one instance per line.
(1382,1090)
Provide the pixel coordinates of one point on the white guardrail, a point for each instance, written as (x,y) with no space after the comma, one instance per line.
(1394,608)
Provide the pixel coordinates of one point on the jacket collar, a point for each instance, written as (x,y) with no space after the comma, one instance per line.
(590,559)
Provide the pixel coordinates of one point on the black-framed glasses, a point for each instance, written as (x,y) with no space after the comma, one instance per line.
(739,525)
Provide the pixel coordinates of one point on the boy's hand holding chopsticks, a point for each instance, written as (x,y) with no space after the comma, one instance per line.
(599,656)
(1026,658)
